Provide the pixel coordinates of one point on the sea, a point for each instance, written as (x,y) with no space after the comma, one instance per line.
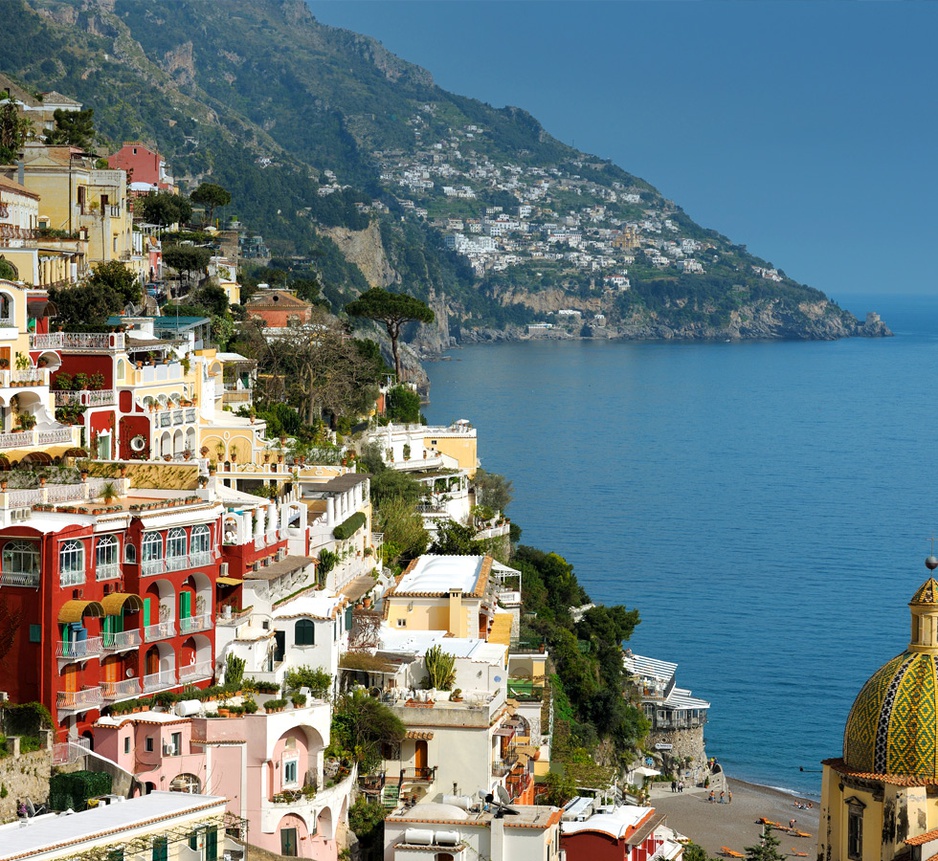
(766,506)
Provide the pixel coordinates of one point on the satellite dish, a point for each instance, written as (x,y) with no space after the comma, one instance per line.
(502,793)
(481,794)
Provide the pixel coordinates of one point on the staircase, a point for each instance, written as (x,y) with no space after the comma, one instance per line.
(390,796)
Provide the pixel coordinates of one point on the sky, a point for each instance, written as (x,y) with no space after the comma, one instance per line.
(804,130)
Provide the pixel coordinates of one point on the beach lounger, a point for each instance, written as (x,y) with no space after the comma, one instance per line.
(801,833)
(729,853)
(765,821)
(798,854)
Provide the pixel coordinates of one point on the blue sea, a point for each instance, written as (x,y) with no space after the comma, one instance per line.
(767,507)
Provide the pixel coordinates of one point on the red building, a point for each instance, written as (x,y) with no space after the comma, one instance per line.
(590,832)
(278,309)
(107,602)
(146,169)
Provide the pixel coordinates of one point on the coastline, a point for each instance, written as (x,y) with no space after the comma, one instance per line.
(735,825)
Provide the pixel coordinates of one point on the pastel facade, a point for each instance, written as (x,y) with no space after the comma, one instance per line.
(146,168)
(589,832)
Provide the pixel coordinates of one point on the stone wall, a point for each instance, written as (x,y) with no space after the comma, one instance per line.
(23,775)
(684,742)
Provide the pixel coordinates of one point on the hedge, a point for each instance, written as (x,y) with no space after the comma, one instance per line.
(73,789)
(349,527)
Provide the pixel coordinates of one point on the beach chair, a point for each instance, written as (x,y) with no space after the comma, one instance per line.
(729,853)
(801,834)
(798,854)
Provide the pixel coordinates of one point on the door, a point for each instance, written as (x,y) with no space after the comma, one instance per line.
(288,842)
(420,759)
(280,646)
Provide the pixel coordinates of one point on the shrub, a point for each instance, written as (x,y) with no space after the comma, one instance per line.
(350,526)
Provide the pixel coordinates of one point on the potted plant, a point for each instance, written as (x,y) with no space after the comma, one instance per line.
(298,700)
(108,492)
(250,707)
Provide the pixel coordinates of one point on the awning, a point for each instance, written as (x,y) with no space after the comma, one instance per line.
(505,731)
(229,581)
(361,585)
(73,611)
(117,601)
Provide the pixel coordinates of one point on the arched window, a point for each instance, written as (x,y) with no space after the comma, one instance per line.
(305,633)
(176,543)
(152,547)
(106,558)
(72,563)
(201,540)
(6,309)
(121,369)
(130,554)
(185,783)
(20,563)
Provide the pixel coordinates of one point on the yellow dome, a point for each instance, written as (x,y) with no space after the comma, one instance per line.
(893,725)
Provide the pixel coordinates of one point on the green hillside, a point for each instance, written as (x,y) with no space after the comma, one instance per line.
(322,136)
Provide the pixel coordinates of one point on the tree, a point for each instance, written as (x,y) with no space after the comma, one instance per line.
(492,489)
(73,128)
(187,258)
(405,536)
(403,405)
(165,208)
(211,196)
(361,724)
(392,309)
(85,307)
(212,298)
(14,131)
(767,850)
(115,276)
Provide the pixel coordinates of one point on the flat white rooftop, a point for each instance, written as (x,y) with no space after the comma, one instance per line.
(437,574)
(55,835)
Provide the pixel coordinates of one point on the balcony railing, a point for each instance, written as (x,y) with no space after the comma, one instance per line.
(198,670)
(71,578)
(29,579)
(116,641)
(159,681)
(78,650)
(159,631)
(32,438)
(86,398)
(419,774)
(109,571)
(195,623)
(77,341)
(82,700)
(120,690)
(200,558)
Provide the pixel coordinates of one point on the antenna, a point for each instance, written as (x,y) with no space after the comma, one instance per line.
(501,807)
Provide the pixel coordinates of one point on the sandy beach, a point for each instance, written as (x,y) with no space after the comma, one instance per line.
(735,825)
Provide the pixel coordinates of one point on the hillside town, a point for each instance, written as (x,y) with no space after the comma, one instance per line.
(208,650)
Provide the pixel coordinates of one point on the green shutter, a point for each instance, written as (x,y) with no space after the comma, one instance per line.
(146,612)
(35,633)
(185,605)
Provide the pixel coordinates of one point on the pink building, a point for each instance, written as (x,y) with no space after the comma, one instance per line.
(270,767)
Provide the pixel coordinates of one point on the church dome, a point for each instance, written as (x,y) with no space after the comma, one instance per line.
(893,725)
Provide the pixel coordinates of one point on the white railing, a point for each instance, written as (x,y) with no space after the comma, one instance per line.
(71,578)
(54,436)
(77,341)
(159,631)
(152,566)
(64,492)
(121,689)
(198,670)
(78,649)
(40,376)
(87,397)
(84,699)
(160,680)
(195,623)
(23,498)
(20,578)
(202,557)
(110,571)
(177,563)
(16,440)
(115,641)
(70,751)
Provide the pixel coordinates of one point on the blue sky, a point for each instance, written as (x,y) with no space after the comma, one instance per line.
(806,130)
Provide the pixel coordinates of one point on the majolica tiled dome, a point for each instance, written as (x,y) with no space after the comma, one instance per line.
(893,725)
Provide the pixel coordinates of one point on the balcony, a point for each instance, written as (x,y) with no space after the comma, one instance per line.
(195,623)
(79,701)
(87,398)
(77,342)
(195,672)
(149,567)
(159,681)
(122,690)
(418,774)
(159,631)
(109,571)
(34,438)
(71,578)
(199,559)
(118,642)
(29,579)
(78,650)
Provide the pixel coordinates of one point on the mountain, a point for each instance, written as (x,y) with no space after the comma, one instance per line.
(353,162)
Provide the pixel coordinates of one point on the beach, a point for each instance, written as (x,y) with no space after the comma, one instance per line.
(735,825)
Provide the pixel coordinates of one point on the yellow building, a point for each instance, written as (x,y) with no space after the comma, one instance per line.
(444,593)
(880,800)
(458,441)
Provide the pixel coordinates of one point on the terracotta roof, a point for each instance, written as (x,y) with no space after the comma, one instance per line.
(11,185)
(840,767)
(271,300)
(919,839)
(424,735)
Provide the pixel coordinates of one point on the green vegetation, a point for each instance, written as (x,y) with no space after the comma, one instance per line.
(318,680)
(360,726)
(403,405)
(441,672)
(86,307)
(767,849)
(348,527)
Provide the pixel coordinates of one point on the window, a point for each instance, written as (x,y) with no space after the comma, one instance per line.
(127,745)
(855,830)
(185,783)
(130,554)
(401,623)
(305,634)
(200,540)
(149,744)
(290,772)
(152,547)
(176,741)
(176,543)
(72,563)
(106,558)
(35,633)
(20,557)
